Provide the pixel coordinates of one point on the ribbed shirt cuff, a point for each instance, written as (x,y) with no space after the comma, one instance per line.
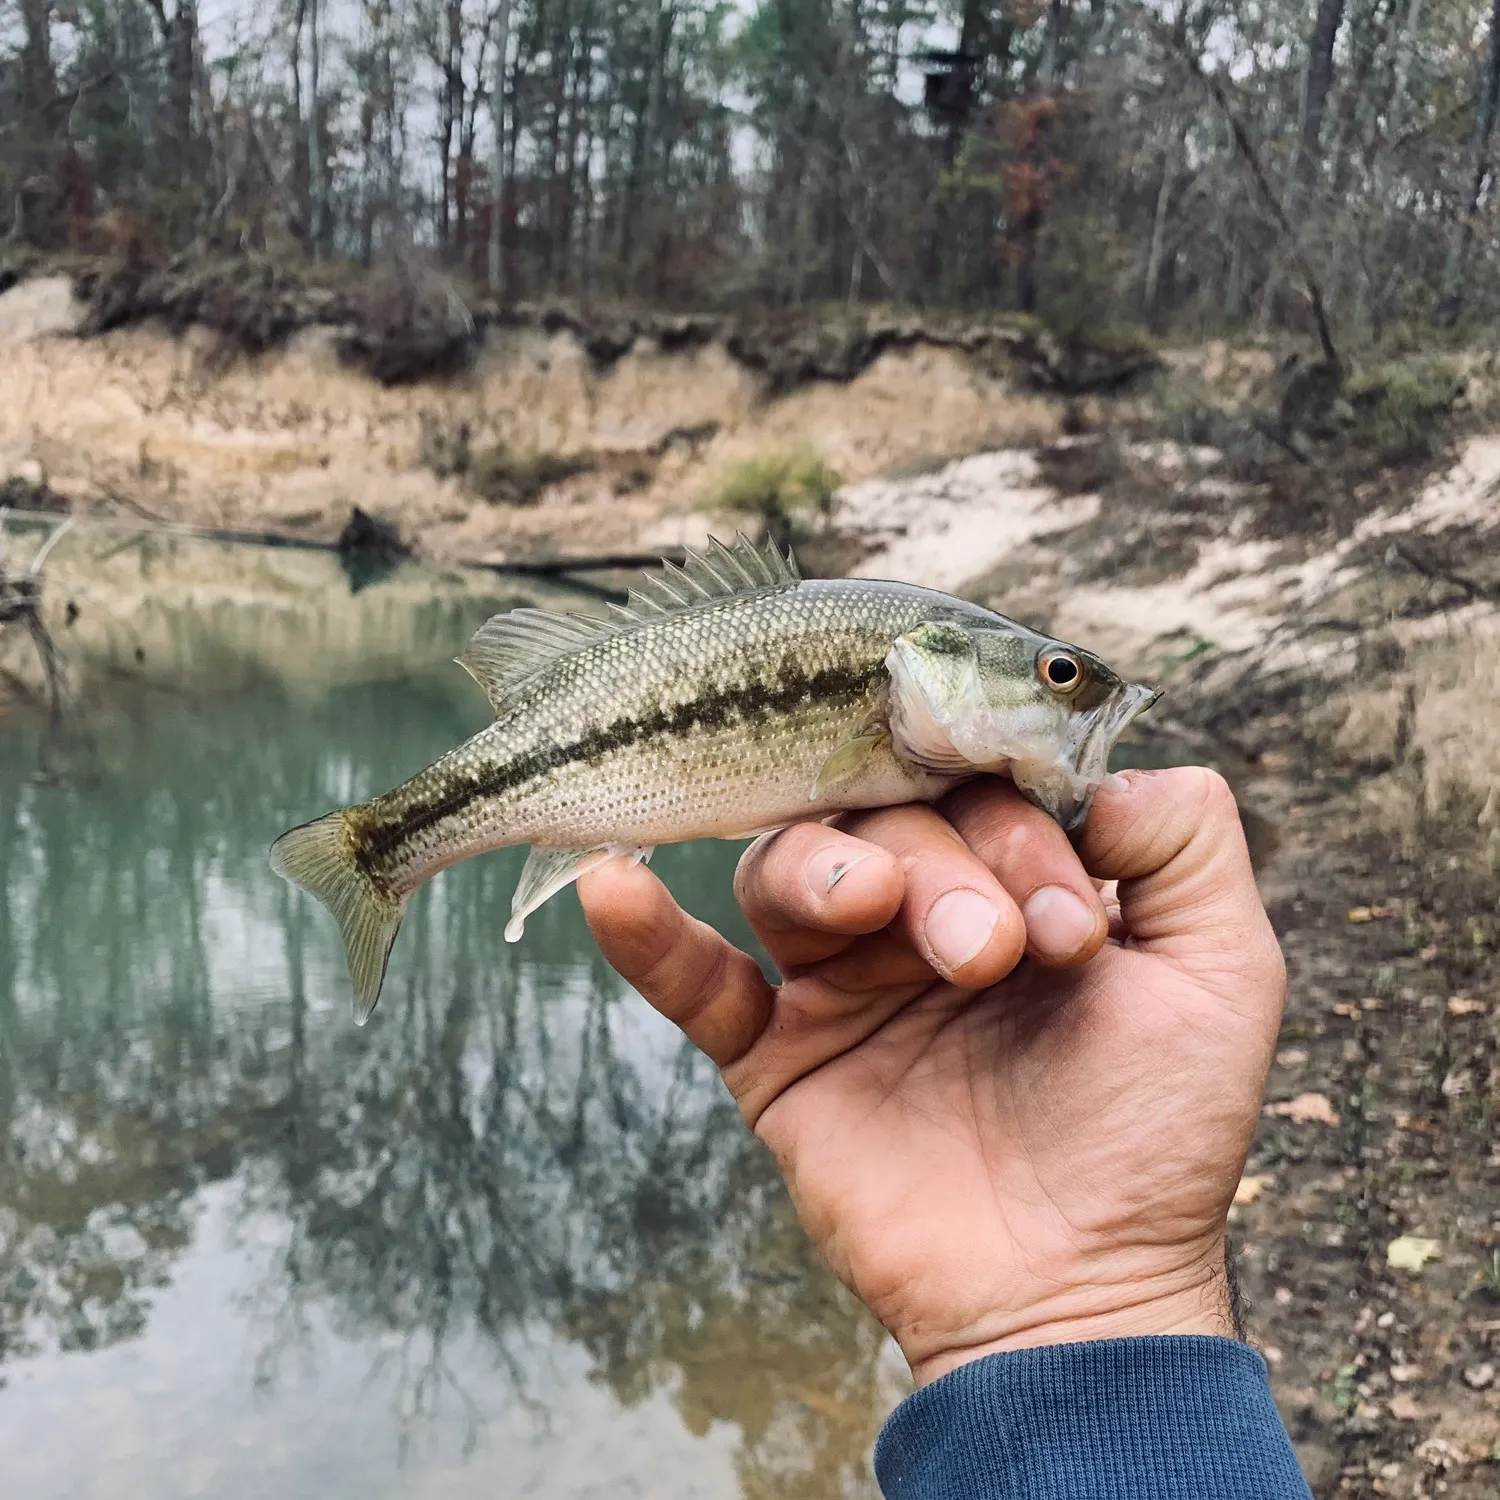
(1165,1418)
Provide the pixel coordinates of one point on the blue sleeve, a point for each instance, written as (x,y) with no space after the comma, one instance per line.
(1179,1418)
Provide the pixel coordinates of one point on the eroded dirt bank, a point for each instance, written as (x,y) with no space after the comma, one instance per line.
(144,422)
(1327,631)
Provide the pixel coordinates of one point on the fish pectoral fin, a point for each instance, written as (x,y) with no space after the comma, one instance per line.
(848,760)
(550,870)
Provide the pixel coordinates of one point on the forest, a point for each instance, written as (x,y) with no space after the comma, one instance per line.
(1188,166)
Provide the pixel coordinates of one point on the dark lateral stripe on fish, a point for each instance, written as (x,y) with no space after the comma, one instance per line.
(711,710)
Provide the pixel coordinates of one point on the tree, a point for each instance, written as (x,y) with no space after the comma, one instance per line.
(1487,101)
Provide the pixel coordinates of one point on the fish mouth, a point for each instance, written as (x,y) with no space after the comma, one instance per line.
(1089,760)
(1111,721)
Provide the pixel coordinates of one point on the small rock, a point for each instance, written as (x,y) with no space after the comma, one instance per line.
(1411,1252)
(1283,1296)
(1458,1083)
(1385,1320)
(1462,1005)
(1405,1374)
(1477,1377)
(1404,1407)
(1250,1188)
(1305,1109)
(1291,1057)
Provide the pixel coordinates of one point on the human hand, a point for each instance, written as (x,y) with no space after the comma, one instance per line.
(1011,1086)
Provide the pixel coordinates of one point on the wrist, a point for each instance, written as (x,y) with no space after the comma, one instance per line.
(1200,1303)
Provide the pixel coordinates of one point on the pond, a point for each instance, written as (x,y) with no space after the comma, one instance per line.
(511,1238)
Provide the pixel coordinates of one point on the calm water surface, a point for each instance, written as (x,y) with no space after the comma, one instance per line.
(509,1239)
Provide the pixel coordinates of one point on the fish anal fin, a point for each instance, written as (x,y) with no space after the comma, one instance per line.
(849,759)
(319,858)
(550,870)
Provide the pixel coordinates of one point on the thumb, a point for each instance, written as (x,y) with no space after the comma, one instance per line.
(1174,841)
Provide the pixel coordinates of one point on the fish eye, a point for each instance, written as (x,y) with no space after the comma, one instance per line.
(1061,671)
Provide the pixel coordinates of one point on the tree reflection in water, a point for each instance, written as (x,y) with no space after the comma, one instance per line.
(513,1147)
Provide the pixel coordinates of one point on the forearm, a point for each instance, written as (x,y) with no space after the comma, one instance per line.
(1176,1418)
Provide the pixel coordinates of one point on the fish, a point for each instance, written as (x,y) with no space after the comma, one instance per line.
(726,698)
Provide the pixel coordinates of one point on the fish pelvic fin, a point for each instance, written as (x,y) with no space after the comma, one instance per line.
(550,870)
(319,857)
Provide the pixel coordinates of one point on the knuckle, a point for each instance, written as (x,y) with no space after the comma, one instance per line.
(1216,796)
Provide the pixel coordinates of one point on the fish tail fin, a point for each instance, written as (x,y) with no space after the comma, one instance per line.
(319,857)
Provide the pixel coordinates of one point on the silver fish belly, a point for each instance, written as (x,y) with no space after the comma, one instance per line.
(728,698)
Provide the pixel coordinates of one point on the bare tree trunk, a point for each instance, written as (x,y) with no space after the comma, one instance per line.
(317,191)
(497,214)
(1159,223)
(1486,103)
(1325,32)
(37,83)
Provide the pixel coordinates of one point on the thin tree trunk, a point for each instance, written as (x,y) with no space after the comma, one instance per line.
(1486,103)
(1325,32)
(1159,223)
(317,192)
(497,213)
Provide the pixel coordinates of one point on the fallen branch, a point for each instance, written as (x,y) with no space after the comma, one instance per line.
(20,604)
(1273,205)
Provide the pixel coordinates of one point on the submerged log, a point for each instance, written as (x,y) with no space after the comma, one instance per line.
(21,606)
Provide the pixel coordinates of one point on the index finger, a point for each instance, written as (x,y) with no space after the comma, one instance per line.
(810,890)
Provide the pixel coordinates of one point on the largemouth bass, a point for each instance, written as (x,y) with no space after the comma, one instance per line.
(728,698)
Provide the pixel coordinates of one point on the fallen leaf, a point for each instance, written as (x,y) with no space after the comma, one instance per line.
(1251,1188)
(1404,1407)
(1411,1252)
(1305,1109)
(1461,1005)
(1377,913)
(1457,1083)
(1439,1453)
(1405,1374)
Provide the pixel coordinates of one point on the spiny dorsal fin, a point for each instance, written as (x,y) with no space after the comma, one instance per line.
(510,648)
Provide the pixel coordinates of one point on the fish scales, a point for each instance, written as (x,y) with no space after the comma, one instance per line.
(733,698)
(619,742)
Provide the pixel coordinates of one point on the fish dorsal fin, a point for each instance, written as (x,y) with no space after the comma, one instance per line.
(510,648)
(717,572)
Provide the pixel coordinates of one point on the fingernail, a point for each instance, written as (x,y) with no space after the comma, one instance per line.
(1116,782)
(827,867)
(1058,924)
(959,927)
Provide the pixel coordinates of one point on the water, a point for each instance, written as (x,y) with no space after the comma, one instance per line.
(509,1239)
